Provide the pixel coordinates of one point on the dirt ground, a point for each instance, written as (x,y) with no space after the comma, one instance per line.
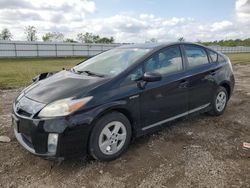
(201,151)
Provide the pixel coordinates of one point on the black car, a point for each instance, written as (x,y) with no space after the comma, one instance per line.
(98,106)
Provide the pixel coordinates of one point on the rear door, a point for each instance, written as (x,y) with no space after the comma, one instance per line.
(200,76)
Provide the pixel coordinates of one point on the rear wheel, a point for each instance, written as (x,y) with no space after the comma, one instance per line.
(110,136)
(219,102)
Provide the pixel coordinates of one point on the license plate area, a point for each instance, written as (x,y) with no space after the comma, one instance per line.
(15,123)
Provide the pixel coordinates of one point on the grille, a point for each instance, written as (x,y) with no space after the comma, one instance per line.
(27,140)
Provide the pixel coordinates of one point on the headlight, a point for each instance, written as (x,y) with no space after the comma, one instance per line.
(63,107)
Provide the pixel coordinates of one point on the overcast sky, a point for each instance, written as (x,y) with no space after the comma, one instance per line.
(130,20)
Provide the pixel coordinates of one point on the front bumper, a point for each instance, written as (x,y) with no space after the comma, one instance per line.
(32,134)
(21,139)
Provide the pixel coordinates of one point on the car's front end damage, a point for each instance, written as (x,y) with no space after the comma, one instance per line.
(50,117)
(50,138)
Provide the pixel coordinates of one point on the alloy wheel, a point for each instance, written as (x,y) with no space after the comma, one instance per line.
(112,137)
(221,100)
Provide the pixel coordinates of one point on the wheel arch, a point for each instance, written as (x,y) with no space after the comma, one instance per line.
(119,109)
(227,87)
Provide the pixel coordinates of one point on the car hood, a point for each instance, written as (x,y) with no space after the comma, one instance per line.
(61,85)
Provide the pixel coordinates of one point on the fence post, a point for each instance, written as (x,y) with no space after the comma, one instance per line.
(88,46)
(56,49)
(15,50)
(37,51)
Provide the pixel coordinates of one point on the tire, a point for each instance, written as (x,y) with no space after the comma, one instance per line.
(218,108)
(110,136)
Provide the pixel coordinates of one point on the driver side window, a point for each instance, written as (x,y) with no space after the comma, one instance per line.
(166,61)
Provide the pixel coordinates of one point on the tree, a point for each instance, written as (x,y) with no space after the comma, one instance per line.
(199,41)
(91,38)
(85,37)
(106,40)
(181,39)
(237,42)
(53,37)
(31,33)
(69,40)
(152,40)
(5,34)
(112,40)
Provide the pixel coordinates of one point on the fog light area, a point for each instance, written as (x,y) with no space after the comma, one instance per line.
(52,142)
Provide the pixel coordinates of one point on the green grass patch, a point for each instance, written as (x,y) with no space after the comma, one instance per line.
(16,73)
(239,58)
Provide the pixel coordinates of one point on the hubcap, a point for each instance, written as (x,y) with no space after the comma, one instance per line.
(112,137)
(221,100)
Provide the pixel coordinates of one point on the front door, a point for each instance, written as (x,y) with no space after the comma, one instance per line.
(164,100)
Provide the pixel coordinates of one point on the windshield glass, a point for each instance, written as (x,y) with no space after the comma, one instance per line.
(112,62)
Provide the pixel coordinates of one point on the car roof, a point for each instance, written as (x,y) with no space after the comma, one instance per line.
(154,45)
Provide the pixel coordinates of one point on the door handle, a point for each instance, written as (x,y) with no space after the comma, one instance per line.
(183,84)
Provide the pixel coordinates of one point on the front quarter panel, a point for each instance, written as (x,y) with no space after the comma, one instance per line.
(122,98)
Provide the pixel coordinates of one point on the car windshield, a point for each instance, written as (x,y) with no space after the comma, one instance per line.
(112,62)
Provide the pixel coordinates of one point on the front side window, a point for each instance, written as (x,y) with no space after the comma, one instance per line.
(166,61)
(112,62)
(196,56)
(135,75)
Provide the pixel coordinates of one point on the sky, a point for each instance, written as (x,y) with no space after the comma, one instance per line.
(130,21)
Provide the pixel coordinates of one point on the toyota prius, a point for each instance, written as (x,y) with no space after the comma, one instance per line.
(97,107)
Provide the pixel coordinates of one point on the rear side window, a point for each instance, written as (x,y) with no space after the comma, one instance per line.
(213,56)
(221,59)
(196,56)
(166,61)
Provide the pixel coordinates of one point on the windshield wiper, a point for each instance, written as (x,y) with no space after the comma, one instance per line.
(89,73)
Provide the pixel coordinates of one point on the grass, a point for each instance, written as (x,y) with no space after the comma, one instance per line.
(16,73)
(239,58)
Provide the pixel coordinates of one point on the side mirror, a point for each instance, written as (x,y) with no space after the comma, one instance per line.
(151,77)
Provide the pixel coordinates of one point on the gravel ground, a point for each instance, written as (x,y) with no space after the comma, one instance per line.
(201,151)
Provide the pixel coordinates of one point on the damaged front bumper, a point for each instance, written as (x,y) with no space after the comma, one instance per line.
(68,135)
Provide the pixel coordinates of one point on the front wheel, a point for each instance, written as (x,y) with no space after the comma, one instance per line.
(110,136)
(219,102)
